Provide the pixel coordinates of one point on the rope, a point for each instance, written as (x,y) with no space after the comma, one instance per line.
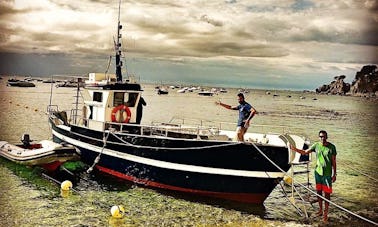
(362,173)
(308,189)
(97,159)
(173,148)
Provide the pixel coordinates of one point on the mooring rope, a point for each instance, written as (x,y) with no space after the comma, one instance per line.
(97,159)
(360,172)
(173,148)
(308,189)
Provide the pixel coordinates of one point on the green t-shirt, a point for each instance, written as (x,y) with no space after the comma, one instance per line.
(324,157)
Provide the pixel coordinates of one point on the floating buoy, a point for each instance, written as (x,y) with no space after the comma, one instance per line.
(66,185)
(35,110)
(288,180)
(117,211)
(64,193)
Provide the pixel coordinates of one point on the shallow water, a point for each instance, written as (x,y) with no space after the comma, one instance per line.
(33,200)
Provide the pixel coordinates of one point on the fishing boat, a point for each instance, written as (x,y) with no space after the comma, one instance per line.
(45,153)
(198,159)
(206,93)
(20,84)
(162,91)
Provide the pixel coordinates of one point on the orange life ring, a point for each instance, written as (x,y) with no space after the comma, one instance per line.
(121,108)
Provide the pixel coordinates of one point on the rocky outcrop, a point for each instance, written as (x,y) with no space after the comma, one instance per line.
(337,87)
(365,83)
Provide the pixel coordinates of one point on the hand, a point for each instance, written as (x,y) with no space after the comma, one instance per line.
(292,147)
(218,102)
(246,124)
(333,178)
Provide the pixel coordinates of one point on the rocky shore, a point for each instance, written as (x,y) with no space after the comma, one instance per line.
(364,84)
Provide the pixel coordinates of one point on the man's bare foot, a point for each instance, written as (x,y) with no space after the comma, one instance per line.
(325,218)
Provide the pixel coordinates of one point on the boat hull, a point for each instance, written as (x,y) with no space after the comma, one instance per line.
(41,156)
(227,170)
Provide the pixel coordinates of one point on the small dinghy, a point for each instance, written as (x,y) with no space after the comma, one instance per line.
(47,154)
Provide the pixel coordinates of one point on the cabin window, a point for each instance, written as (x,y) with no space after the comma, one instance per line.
(118,98)
(97,96)
(131,99)
(124,98)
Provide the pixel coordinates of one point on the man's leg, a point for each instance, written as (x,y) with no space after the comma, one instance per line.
(326,205)
(241,133)
(320,201)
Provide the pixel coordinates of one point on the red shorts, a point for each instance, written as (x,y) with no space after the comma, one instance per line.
(323,183)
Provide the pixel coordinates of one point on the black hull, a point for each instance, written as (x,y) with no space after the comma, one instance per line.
(233,171)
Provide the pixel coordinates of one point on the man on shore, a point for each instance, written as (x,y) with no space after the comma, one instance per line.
(246,113)
(325,163)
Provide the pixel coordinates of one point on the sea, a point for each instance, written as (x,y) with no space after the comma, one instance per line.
(28,197)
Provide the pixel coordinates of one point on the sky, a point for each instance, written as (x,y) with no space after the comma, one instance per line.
(275,44)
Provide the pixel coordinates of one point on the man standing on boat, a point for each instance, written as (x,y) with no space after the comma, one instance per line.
(325,163)
(246,113)
(141,103)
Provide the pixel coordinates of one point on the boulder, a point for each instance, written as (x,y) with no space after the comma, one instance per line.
(337,87)
(366,81)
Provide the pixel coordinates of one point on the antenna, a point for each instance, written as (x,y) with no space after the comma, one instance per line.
(117,47)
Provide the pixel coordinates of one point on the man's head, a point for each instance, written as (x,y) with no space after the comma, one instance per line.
(240,98)
(323,136)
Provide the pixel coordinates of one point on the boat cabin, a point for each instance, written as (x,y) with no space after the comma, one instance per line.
(107,103)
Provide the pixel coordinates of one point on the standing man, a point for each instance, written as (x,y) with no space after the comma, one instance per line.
(325,163)
(246,113)
(141,103)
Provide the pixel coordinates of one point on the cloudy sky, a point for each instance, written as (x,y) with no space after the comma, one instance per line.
(295,44)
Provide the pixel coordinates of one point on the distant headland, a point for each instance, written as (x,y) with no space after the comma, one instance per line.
(364,84)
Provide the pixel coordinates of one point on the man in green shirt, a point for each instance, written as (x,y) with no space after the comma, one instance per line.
(325,163)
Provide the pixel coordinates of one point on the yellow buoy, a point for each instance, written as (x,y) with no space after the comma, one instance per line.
(288,180)
(65,193)
(117,211)
(66,185)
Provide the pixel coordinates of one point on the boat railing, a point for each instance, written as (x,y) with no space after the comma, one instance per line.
(52,108)
(221,125)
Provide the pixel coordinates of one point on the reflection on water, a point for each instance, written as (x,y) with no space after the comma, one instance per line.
(33,200)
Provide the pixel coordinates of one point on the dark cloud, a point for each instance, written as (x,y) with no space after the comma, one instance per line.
(212,21)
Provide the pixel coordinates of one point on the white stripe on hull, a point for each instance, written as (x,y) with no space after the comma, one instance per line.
(170,165)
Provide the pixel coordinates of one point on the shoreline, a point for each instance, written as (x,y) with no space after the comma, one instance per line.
(369,96)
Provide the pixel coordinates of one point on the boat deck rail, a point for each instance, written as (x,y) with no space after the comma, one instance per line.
(222,125)
(176,127)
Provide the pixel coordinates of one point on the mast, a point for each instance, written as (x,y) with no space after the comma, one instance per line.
(117,47)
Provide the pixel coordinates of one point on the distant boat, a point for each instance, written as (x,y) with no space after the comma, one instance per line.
(48,81)
(243,90)
(69,84)
(182,90)
(223,90)
(20,84)
(162,91)
(206,93)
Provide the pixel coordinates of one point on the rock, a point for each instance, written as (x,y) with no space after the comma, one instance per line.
(337,87)
(364,84)
(366,81)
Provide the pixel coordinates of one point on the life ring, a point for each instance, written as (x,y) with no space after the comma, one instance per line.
(121,108)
